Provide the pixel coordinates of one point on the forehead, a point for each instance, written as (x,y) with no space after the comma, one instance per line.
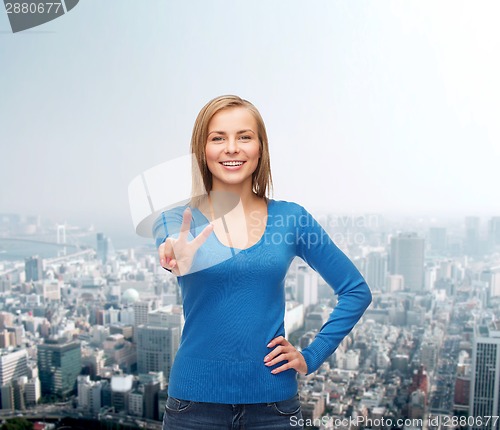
(231,119)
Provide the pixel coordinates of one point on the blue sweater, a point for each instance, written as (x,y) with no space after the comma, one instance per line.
(234,304)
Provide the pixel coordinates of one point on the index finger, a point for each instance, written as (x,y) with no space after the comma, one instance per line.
(275,341)
(203,236)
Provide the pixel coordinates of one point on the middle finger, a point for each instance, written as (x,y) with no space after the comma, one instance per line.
(278,350)
(278,359)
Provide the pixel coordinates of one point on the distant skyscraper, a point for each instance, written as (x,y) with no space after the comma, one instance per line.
(461,398)
(121,386)
(494,231)
(101,247)
(5,284)
(485,375)
(151,400)
(167,316)
(105,248)
(59,364)
(407,259)
(136,403)
(472,239)
(89,394)
(13,365)
(307,286)
(376,270)
(492,277)
(7,397)
(156,348)
(428,354)
(33,269)
(141,311)
(152,383)
(438,239)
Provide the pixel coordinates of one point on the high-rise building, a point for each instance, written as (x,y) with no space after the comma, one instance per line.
(420,381)
(136,403)
(6,320)
(101,247)
(5,284)
(119,351)
(19,393)
(152,383)
(167,316)
(376,270)
(407,259)
(492,277)
(105,250)
(13,365)
(472,238)
(50,290)
(121,387)
(33,269)
(33,391)
(294,317)
(7,397)
(59,364)
(438,239)
(485,374)
(416,405)
(89,394)
(106,393)
(151,400)
(162,400)
(307,286)
(156,348)
(461,398)
(429,353)
(494,231)
(141,310)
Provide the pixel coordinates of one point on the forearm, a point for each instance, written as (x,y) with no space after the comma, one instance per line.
(343,318)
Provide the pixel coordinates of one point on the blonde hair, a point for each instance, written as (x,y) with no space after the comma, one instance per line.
(202,177)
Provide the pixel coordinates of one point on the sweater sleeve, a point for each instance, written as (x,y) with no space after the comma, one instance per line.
(318,250)
(168,224)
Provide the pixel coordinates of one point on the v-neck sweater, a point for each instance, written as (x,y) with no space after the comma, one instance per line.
(234,305)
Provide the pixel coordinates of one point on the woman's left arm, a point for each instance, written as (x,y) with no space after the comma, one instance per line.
(317,249)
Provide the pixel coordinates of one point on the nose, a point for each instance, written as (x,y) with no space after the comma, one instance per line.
(232,146)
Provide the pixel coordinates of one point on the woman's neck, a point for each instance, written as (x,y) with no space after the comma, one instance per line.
(243,192)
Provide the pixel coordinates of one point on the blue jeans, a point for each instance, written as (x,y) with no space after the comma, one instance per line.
(189,415)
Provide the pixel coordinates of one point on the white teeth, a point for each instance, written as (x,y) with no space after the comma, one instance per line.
(232,163)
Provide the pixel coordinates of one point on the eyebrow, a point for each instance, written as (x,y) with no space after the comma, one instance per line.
(239,132)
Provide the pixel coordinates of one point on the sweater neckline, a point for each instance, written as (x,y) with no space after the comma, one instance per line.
(270,202)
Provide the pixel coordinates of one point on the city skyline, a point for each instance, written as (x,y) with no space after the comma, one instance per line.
(117,316)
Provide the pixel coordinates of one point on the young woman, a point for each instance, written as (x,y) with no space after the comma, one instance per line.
(230,248)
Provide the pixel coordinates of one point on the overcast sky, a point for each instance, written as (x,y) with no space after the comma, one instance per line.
(370,106)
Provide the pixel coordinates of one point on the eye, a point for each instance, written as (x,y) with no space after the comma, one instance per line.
(216,139)
(245,137)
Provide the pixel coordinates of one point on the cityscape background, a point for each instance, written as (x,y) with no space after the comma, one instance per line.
(383,122)
(89,332)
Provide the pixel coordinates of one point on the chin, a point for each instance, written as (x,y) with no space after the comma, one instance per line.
(232,181)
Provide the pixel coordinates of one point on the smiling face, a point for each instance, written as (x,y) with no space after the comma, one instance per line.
(232,148)
(204,146)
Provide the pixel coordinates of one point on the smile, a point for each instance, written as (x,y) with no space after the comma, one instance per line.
(232,163)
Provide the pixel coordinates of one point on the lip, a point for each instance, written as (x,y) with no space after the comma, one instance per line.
(232,168)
